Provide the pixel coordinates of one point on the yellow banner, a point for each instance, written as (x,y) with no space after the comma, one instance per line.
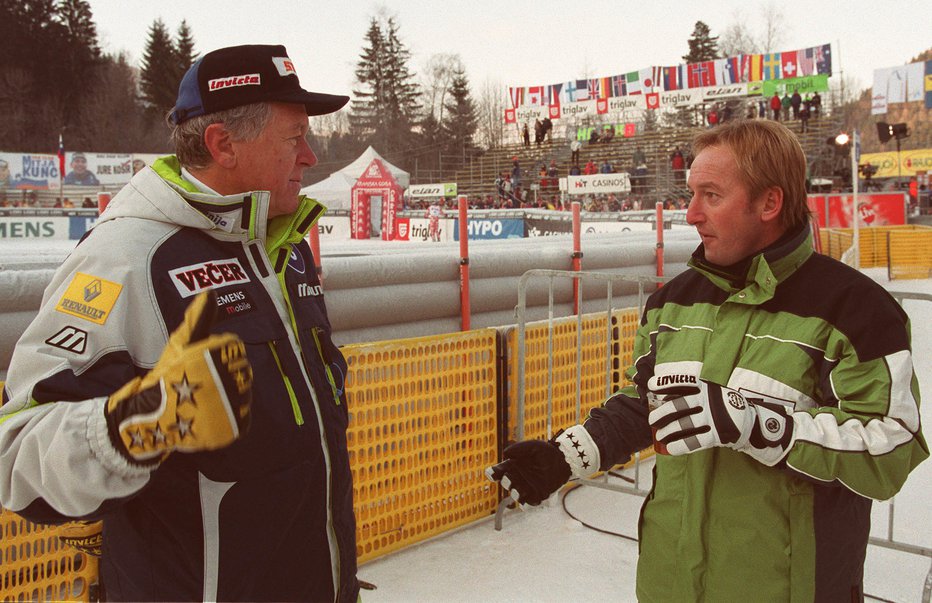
(919,160)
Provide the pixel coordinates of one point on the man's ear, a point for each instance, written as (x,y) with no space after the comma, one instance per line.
(772,205)
(218,141)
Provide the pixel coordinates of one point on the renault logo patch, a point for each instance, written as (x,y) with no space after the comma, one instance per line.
(89,297)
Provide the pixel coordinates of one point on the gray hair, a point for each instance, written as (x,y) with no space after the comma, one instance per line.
(243,123)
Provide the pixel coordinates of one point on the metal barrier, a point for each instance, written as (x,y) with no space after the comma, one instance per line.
(909,254)
(604,343)
(888,541)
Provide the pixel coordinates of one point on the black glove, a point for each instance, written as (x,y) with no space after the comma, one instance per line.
(532,470)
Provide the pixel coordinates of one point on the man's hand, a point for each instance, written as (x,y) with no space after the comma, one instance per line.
(534,469)
(197,397)
(696,414)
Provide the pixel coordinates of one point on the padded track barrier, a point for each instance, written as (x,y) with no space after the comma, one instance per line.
(423,428)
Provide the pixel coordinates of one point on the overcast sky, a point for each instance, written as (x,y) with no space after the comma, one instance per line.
(522,42)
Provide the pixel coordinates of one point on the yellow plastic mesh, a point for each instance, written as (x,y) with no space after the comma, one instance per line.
(36,566)
(910,254)
(871,240)
(422,431)
(597,378)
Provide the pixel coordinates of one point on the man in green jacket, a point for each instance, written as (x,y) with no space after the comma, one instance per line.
(779,383)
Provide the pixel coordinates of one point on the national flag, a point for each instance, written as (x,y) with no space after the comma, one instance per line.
(582,90)
(671,78)
(605,87)
(653,100)
(619,85)
(535,95)
(751,67)
(806,60)
(61,156)
(517,96)
(789,64)
(728,70)
(554,94)
(772,66)
(633,82)
(823,59)
(649,79)
(569,91)
(701,74)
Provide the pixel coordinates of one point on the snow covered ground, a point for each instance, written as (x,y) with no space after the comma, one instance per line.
(542,554)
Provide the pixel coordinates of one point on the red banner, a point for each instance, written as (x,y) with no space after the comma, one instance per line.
(510,116)
(875,209)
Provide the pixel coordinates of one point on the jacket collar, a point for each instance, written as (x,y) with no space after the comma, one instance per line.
(755,278)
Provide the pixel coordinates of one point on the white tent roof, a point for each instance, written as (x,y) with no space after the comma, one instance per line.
(334,191)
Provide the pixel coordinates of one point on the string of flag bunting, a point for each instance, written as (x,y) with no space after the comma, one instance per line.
(685,77)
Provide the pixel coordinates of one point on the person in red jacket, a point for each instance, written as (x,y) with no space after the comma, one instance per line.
(776,104)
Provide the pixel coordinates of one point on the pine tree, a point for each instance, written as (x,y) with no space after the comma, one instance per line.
(159,78)
(184,49)
(460,119)
(702,45)
(365,117)
(386,108)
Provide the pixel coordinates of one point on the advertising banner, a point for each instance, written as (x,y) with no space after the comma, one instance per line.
(887,164)
(805,85)
(604,227)
(95,169)
(446,189)
(418,229)
(598,183)
(334,228)
(36,227)
(489,228)
(874,209)
(537,227)
(714,93)
(681,98)
(28,171)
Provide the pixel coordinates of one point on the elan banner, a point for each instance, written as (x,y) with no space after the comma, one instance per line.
(446,189)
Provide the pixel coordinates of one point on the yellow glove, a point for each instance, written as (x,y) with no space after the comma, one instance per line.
(85,536)
(195,398)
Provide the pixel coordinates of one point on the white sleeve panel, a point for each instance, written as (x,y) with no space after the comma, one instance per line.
(61,453)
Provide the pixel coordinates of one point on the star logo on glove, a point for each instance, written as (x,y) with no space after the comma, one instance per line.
(185,390)
(580,453)
(184,426)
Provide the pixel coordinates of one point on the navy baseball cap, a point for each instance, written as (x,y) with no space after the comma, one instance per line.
(242,75)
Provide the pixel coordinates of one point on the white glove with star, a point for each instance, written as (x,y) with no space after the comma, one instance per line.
(694,414)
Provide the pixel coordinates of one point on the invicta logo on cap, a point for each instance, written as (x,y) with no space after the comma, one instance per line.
(247,79)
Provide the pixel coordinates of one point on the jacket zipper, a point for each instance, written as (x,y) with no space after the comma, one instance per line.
(323,360)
